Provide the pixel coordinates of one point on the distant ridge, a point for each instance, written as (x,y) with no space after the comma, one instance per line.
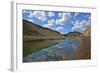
(73,34)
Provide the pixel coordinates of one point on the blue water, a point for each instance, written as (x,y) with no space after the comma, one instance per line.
(62,50)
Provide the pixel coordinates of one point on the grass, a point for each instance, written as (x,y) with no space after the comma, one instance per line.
(29,47)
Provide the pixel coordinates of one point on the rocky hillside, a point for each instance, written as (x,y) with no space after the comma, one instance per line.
(84,50)
(73,35)
(87,32)
(34,31)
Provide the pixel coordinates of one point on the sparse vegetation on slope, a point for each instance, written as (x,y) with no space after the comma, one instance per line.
(73,35)
(32,29)
(84,50)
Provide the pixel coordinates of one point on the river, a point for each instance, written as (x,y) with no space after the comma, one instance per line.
(62,50)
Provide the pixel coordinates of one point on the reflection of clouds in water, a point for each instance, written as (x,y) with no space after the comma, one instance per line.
(61,51)
(59,46)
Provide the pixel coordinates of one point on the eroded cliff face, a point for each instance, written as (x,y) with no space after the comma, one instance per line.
(84,50)
(87,32)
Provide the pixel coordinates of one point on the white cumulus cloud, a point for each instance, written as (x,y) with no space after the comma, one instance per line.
(41,15)
(49,24)
(64,18)
(76,13)
(29,14)
(60,29)
(51,14)
(31,20)
(57,22)
(59,14)
(81,25)
(63,21)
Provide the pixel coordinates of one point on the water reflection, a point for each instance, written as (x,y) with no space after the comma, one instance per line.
(62,50)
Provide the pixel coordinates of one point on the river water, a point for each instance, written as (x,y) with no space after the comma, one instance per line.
(62,50)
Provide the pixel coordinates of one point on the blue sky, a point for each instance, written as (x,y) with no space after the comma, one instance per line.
(62,22)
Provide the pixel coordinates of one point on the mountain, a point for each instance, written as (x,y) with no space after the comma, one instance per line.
(72,34)
(84,50)
(32,30)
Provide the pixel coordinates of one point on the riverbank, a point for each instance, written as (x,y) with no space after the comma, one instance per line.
(37,38)
(33,46)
